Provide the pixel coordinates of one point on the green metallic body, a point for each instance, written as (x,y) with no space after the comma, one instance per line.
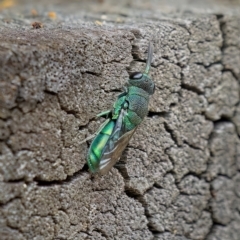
(98,144)
(128,112)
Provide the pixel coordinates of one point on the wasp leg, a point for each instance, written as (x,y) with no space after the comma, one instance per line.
(88,138)
(96,133)
(104,114)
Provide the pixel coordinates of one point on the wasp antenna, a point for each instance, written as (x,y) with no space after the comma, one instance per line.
(149,57)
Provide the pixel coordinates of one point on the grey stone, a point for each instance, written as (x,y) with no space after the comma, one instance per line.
(179,176)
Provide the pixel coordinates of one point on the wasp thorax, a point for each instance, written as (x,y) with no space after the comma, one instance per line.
(142,81)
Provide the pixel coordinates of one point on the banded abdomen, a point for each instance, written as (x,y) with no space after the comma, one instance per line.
(98,144)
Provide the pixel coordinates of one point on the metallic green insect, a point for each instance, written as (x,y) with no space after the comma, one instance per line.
(128,112)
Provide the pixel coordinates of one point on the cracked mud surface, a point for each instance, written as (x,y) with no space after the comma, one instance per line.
(179,177)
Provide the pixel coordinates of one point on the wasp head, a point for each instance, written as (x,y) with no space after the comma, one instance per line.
(142,80)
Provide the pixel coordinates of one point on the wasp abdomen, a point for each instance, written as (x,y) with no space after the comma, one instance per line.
(98,144)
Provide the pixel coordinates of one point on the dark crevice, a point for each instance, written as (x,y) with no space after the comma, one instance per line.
(137,59)
(215,223)
(225,176)
(85,168)
(93,73)
(133,194)
(191,88)
(225,120)
(69,179)
(190,173)
(2,204)
(123,14)
(231,71)
(50,92)
(209,65)
(219,16)
(139,198)
(159,114)
(171,132)
(209,205)
(123,171)
(135,54)
(221,26)
(156,185)
(72,112)
(15,229)
(191,145)
(155,232)
(222,120)
(116,91)
(80,128)
(20,180)
(101,232)
(165,57)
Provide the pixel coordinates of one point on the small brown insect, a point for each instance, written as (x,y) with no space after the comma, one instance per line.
(52,15)
(6,4)
(34,12)
(37,25)
(98,23)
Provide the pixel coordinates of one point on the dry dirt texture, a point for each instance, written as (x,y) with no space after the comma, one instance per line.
(61,65)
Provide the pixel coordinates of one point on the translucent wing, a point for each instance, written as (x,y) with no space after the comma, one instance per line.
(115,146)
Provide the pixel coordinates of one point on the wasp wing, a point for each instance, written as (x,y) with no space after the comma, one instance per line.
(115,145)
